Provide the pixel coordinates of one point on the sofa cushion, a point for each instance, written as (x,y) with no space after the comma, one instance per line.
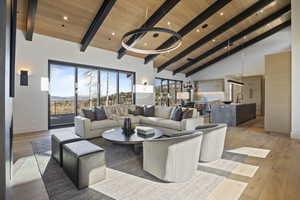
(110,111)
(160,122)
(152,121)
(122,110)
(163,112)
(149,111)
(89,113)
(170,124)
(103,124)
(134,119)
(100,113)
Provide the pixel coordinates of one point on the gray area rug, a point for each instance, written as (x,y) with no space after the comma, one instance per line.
(126,179)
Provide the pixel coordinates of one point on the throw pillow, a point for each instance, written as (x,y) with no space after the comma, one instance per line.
(100,113)
(89,113)
(139,110)
(187,114)
(163,112)
(149,111)
(177,114)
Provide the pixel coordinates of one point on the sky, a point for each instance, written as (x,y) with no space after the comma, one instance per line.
(62,81)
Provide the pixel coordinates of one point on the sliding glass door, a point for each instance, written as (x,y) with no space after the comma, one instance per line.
(62,95)
(87,88)
(158,93)
(166,91)
(126,88)
(172,92)
(108,82)
(73,87)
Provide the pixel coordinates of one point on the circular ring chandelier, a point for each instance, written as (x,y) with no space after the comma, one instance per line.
(157,30)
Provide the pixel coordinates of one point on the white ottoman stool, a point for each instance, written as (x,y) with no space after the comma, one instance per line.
(84,163)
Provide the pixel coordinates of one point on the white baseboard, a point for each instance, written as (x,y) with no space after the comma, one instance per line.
(295,135)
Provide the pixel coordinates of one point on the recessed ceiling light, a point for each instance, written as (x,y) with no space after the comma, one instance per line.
(197,30)
(169,23)
(221,13)
(245,37)
(261,11)
(145,44)
(214,40)
(65,18)
(225,48)
(113,33)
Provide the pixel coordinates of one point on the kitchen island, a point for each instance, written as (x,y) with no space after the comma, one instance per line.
(233,114)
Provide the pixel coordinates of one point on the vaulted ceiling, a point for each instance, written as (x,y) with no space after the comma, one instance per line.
(231,25)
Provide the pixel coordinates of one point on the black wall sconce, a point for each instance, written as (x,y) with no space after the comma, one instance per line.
(23,78)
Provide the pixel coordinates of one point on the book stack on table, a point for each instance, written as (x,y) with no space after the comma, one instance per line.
(145,131)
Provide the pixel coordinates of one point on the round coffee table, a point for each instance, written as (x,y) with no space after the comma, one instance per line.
(116,135)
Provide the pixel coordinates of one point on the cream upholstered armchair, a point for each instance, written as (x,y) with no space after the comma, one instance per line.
(213,141)
(173,159)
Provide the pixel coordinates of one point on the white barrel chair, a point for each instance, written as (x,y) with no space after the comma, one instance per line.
(213,141)
(173,159)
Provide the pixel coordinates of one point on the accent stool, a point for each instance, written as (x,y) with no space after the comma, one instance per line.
(84,163)
(57,140)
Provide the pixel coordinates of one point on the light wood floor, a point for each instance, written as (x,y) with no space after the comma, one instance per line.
(277,176)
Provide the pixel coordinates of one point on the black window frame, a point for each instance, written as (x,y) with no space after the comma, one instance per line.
(84,66)
(168,83)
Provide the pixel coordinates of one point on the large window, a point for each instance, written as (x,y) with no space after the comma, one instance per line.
(108,85)
(74,86)
(87,88)
(166,91)
(62,95)
(126,88)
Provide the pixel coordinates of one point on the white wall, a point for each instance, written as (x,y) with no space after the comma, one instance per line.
(278,93)
(295,128)
(253,58)
(31,104)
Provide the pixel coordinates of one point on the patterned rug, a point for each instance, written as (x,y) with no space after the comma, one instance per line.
(126,180)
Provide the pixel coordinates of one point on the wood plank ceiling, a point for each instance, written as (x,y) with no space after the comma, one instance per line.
(70,20)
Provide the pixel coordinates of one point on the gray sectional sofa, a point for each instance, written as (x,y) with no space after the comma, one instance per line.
(116,114)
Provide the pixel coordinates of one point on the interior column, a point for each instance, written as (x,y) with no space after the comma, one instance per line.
(295,109)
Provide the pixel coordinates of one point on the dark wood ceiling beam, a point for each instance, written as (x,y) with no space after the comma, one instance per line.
(102,13)
(211,10)
(30,19)
(241,47)
(221,29)
(154,19)
(236,37)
